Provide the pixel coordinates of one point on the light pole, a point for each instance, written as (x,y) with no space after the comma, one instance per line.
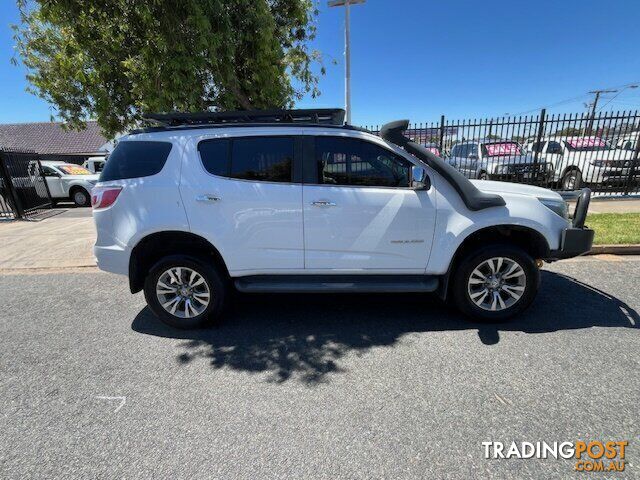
(347,51)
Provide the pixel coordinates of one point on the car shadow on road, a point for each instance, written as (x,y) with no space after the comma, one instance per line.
(305,336)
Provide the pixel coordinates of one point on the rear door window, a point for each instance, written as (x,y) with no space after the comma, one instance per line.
(216,156)
(134,159)
(267,159)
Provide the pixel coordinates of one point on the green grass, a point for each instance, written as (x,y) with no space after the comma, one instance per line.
(615,228)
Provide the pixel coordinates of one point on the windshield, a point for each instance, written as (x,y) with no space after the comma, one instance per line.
(73,170)
(587,144)
(502,149)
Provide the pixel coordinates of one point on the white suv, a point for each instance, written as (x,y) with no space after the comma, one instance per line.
(296,201)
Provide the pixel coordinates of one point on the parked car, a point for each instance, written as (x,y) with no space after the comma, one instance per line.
(498,159)
(94,164)
(583,160)
(67,181)
(190,212)
(628,142)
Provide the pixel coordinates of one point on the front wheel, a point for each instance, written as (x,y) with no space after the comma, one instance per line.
(572,180)
(496,282)
(185,292)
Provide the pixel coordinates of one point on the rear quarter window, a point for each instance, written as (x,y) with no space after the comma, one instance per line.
(134,159)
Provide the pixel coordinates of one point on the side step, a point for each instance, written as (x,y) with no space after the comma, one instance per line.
(337,283)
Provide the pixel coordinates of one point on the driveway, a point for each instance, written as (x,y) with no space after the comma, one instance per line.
(339,386)
(61,241)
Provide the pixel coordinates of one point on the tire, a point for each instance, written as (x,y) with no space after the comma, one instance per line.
(465,283)
(483,176)
(572,180)
(186,317)
(81,197)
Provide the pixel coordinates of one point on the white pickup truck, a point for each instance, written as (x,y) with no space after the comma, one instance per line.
(583,160)
(67,181)
(296,201)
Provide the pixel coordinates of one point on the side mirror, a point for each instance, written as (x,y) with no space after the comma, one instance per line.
(420,179)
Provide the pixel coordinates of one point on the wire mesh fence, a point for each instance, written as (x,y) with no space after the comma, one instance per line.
(561,151)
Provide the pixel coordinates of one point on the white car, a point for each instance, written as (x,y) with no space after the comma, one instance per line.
(296,201)
(67,181)
(496,159)
(94,164)
(583,160)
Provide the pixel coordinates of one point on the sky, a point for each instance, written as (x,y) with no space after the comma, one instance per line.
(420,59)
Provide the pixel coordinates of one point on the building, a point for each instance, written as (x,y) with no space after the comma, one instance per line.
(52,142)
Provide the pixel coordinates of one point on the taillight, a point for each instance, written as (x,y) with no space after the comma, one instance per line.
(103,197)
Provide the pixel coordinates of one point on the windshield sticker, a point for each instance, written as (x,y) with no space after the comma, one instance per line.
(74,170)
(498,149)
(586,142)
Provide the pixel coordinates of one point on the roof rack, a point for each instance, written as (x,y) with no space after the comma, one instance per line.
(328,116)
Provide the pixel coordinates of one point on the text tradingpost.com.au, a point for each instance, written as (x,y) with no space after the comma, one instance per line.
(589,456)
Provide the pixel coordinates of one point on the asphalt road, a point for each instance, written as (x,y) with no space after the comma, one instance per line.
(385,386)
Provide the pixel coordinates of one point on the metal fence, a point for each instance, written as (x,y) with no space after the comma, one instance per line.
(561,151)
(24,192)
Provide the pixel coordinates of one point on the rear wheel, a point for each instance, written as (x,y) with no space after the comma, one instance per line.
(496,282)
(483,176)
(185,292)
(81,197)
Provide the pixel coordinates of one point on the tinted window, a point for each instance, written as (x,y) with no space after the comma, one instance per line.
(344,161)
(537,147)
(459,151)
(465,150)
(134,159)
(215,156)
(267,158)
(554,147)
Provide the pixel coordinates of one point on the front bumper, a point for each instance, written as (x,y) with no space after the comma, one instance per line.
(578,239)
(574,242)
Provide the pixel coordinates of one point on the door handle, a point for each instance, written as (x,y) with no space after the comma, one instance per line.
(323,203)
(207,198)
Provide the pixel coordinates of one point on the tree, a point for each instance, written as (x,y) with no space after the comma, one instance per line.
(117,59)
(569,132)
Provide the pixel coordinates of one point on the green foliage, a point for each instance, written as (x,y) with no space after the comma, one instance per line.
(115,59)
(569,132)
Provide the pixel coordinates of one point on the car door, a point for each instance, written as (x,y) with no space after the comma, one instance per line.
(239,193)
(54,181)
(360,212)
(553,153)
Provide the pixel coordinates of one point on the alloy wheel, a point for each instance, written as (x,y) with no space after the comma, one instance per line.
(183,292)
(496,284)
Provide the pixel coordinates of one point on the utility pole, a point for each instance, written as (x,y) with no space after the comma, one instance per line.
(594,105)
(347,50)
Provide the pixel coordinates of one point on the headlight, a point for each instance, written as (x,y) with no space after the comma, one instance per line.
(559,207)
